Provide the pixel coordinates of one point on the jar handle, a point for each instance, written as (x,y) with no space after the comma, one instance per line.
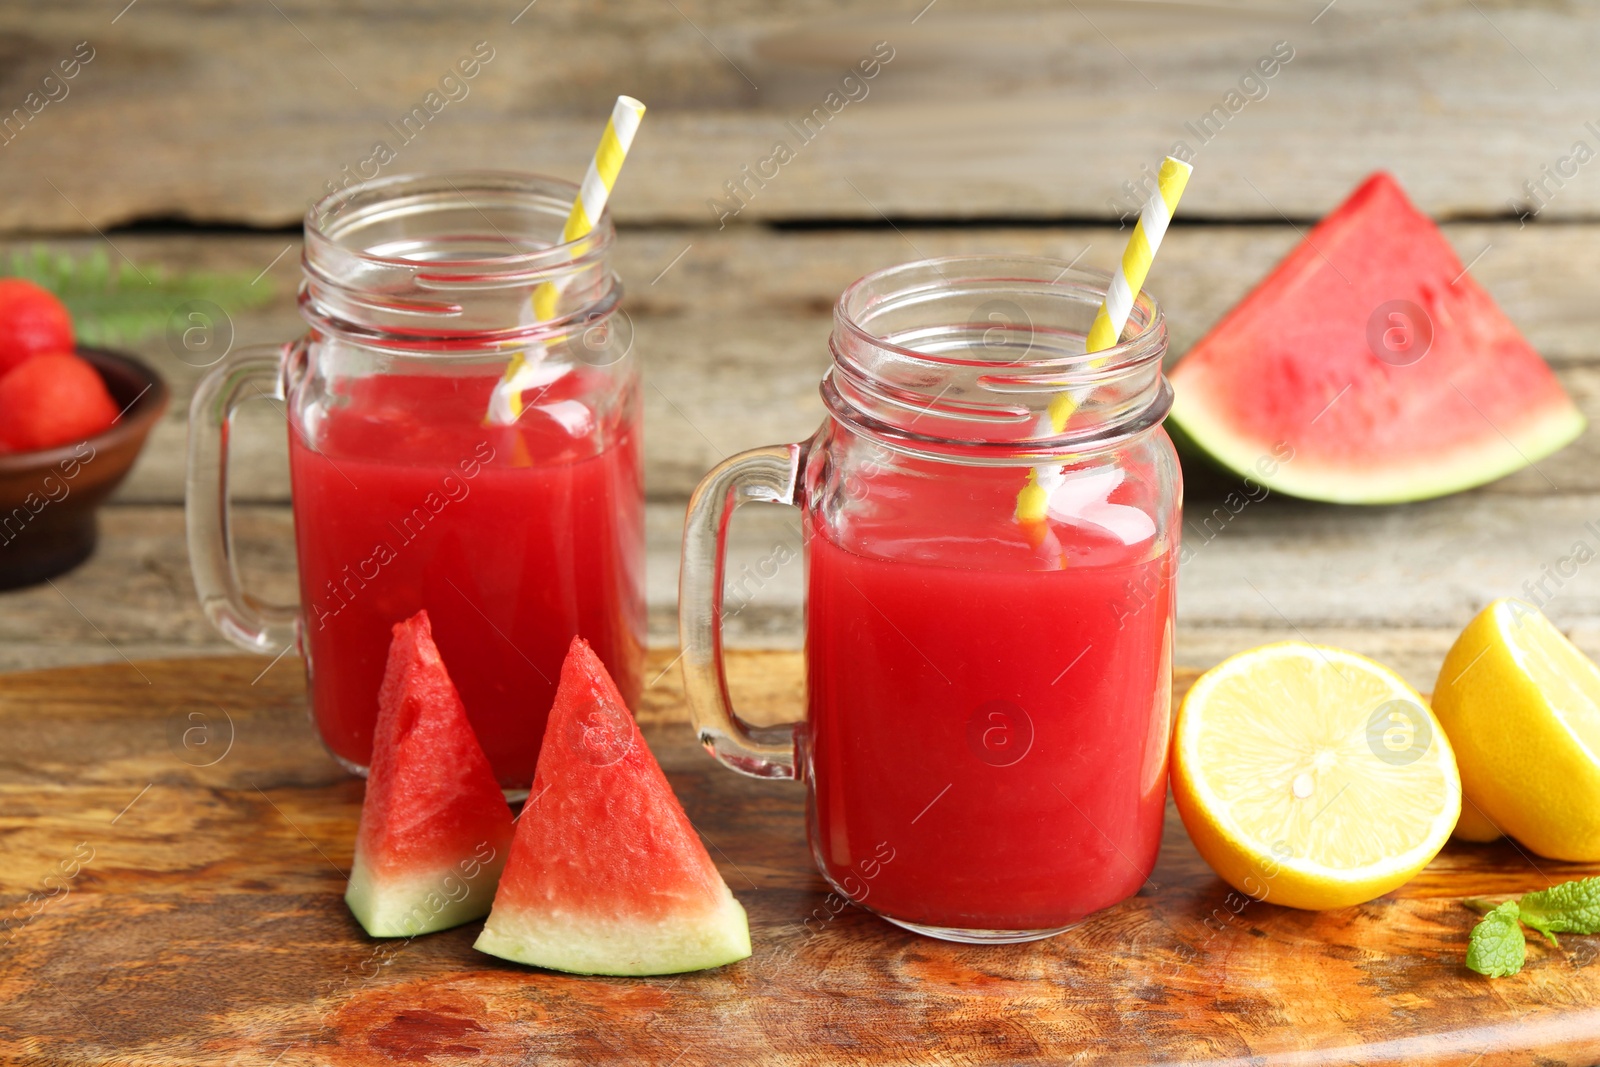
(253,624)
(766,475)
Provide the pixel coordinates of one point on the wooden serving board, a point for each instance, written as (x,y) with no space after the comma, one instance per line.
(160,911)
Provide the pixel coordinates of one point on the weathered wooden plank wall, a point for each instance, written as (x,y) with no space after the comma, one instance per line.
(240,113)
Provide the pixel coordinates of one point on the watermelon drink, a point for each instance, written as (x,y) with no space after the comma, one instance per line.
(995,720)
(513,538)
(515,528)
(988,697)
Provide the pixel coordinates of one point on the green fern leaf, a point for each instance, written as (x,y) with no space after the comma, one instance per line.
(119,303)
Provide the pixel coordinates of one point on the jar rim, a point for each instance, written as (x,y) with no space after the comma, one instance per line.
(388,194)
(1147,318)
(453,262)
(985,355)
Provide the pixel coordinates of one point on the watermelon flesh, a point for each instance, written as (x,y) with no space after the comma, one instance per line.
(435,827)
(606,874)
(1374,362)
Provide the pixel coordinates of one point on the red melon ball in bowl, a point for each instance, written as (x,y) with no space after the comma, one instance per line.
(52,400)
(33,322)
(50,493)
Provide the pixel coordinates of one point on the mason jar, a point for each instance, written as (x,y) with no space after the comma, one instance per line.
(991,520)
(514,517)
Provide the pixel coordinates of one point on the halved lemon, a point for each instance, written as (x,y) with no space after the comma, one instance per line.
(1522,708)
(1473,825)
(1311,776)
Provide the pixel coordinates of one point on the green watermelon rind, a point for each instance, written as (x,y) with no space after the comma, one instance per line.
(615,945)
(1465,468)
(419,902)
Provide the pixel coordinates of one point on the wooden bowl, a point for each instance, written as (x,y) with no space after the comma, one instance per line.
(48,498)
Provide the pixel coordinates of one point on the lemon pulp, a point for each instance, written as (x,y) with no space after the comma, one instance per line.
(1311,776)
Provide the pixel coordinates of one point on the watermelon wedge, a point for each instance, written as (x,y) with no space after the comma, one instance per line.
(1375,364)
(606,874)
(435,828)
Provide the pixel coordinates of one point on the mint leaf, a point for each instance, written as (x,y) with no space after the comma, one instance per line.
(1570,908)
(1497,947)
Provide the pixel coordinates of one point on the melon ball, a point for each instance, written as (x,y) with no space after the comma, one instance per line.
(32,323)
(53,400)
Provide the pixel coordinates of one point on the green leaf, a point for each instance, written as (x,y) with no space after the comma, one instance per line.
(1497,947)
(1569,908)
(122,303)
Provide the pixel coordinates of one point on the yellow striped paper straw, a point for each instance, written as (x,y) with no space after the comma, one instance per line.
(506,403)
(1113,314)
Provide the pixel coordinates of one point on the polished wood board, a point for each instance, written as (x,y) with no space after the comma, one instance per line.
(175,842)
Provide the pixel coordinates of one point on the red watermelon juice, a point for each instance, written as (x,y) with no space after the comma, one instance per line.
(988,718)
(513,538)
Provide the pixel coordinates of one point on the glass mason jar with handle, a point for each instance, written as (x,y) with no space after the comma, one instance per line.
(514,535)
(988,687)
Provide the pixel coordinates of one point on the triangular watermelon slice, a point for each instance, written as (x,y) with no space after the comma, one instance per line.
(606,874)
(1329,362)
(435,827)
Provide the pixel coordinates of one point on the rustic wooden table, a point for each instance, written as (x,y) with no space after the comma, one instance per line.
(193,136)
(194,916)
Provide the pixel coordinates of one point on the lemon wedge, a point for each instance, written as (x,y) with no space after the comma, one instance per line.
(1522,708)
(1312,777)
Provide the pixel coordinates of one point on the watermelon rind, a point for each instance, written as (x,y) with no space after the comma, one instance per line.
(581,943)
(420,902)
(1510,450)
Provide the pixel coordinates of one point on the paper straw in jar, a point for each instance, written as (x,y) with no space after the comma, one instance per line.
(505,405)
(1109,321)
